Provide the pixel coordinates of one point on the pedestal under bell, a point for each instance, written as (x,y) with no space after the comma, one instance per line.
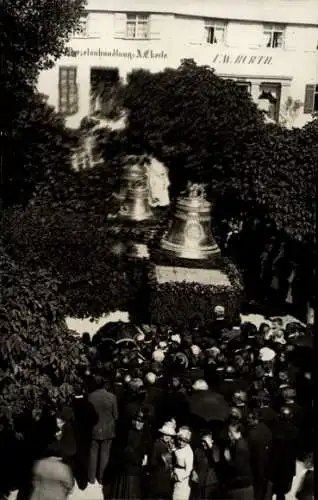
(190,235)
(134,194)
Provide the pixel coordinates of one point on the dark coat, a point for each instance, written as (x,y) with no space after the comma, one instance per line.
(268,416)
(238,469)
(260,443)
(228,387)
(126,473)
(85,417)
(159,474)
(217,327)
(208,485)
(283,456)
(105,405)
(175,404)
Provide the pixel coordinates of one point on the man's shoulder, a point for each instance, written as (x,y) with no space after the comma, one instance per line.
(101,393)
(260,433)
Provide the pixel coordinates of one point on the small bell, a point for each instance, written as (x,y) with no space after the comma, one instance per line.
(190,234)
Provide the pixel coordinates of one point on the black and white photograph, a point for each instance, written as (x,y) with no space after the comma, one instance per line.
(158,197)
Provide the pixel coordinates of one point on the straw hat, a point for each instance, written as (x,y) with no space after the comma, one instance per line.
(150,378)
(267,354)
(167,429)
(185,434)
(200,385)
(163,344)
(158,355)
(176,338)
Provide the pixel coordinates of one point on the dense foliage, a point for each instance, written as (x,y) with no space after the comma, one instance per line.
(195,122)
(285,167)
(41,362)
(172,303)
(80,252)
(33,35)
(33,139)
(207,128)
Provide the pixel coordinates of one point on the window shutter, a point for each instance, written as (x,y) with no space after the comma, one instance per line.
(120,20)
(94,24)
(68,91)
(73,100)
(309,99)
(291,42)
(155,26)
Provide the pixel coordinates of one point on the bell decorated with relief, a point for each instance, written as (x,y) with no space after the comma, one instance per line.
(190,235)
(134,194)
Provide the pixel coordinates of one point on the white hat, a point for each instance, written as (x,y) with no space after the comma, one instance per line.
(185,434)
(195,350)
(219,310)
(167,429)
(158,355)
(163,344)
(150,378)
(200,385)
(176,338)
(140,337)
(267,354)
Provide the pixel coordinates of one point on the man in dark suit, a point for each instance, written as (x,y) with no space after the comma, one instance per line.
(105,405)
(219,323)
(259,439)
(284,454)
(237,471)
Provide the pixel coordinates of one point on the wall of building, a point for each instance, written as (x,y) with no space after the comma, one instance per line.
(175,36)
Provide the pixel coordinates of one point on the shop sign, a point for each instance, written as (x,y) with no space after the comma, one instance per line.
(241,59)
(123,54)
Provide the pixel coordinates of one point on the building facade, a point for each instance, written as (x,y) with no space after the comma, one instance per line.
(268,46)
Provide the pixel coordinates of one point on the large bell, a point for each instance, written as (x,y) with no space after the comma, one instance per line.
(190,234)
(134,194)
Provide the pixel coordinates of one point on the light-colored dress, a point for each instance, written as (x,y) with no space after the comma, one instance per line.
(182,470)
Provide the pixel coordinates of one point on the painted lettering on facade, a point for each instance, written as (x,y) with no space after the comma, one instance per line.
(137,54)
(241,59)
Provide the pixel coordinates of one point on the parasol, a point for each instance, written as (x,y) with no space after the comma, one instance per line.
(209,406)
(304,341)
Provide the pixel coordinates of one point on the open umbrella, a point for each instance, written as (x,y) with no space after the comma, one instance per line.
(304,341)
(209,406)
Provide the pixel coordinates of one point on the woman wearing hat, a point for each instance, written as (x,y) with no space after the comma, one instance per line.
(131,457)
(183,456)
(160,466)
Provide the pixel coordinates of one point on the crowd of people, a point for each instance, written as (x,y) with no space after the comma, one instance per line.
(222,413)
(277,270)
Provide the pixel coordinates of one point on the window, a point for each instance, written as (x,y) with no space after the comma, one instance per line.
(82,30)
(68,92)
(214,31)
(104,92)
(269,99)
(137,26)
(244,85)
(273,36)
(311,99)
